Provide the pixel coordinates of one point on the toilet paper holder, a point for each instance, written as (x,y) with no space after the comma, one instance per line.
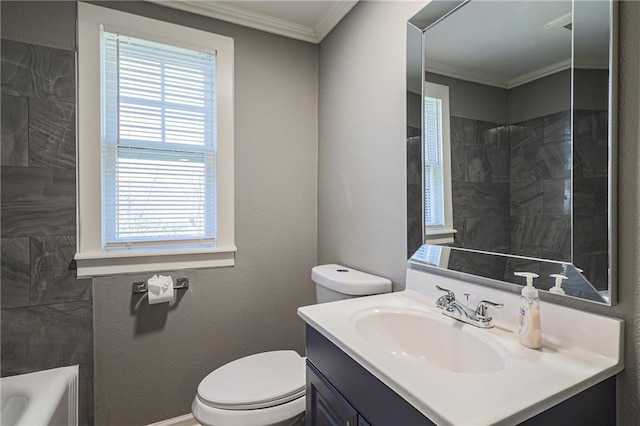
(140,287)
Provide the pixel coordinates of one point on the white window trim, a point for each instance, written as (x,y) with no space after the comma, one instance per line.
(442,235)
(91,259)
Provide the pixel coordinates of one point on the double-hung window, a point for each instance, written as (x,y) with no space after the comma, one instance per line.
(158,145)
(155,145)
(438,210)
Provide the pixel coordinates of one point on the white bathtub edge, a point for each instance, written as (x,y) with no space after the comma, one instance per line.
(52,395)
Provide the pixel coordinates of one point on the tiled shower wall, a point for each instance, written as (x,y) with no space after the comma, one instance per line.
(512,191)
(414,190)
(540,187)
(47,314)
(507,181)
(511,181)
(590,195)
(480,184)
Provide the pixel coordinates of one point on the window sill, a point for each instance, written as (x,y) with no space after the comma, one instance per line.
(128,262)
(440,236)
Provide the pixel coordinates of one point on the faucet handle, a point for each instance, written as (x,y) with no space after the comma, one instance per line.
(450,293)
(481,310)
(447,299)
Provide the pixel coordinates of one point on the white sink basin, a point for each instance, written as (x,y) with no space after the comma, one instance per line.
(427,337)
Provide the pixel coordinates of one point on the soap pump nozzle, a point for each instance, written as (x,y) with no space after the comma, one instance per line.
(557,289)
(529,290)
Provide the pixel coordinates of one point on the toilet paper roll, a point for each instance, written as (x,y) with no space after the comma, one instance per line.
(160,289)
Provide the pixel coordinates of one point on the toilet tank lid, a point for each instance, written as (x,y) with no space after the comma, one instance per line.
(349,281)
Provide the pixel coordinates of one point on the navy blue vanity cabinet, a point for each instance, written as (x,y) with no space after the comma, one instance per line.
(362,421)
(340,392)
(325,405)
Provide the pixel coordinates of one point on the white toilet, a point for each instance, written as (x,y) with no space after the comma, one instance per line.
(268,388)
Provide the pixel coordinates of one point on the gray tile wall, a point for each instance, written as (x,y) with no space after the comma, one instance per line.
(47,314)
(512,190)
(480,184)
(414,190)
(540,187)
(590,195)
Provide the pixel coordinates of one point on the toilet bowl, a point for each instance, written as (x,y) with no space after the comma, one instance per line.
(268,388)
(262,389)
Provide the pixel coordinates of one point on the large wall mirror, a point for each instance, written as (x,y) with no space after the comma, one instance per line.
(511,141)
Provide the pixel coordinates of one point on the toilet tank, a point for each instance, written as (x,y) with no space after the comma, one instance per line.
(336,282)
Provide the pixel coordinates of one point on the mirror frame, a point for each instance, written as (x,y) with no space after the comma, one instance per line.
(433,13)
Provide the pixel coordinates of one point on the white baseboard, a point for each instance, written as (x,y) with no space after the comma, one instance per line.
(186,420)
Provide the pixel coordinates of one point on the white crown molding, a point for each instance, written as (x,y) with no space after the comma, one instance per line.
(263,22)
(449,71)
(539,73)
(326,23)
(466,75)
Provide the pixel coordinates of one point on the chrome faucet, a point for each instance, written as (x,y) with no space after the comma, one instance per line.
(452,308)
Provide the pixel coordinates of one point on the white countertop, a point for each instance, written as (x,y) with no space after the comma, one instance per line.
(579,351)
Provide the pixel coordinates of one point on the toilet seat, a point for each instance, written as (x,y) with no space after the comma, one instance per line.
(256,381)
(251,389)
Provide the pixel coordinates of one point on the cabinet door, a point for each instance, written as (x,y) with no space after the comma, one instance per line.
(325,406)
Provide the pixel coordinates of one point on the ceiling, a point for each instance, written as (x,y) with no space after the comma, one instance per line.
(307,20)
(509,43)
(500,43)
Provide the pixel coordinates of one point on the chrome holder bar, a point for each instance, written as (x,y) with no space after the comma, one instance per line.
(140,287)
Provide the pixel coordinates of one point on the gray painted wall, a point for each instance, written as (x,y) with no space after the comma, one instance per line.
(592,93)
(227,312)
(47,23)
(540,97)
(414,118)
(544,96)
(150,359)
(552,94)
(370,174)
(361,183)
(474,100)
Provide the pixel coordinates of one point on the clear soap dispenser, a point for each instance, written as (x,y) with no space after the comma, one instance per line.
(530,330)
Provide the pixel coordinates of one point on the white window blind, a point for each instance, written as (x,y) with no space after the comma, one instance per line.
(434,210)
(432,254)
(438,205)
(158,145)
